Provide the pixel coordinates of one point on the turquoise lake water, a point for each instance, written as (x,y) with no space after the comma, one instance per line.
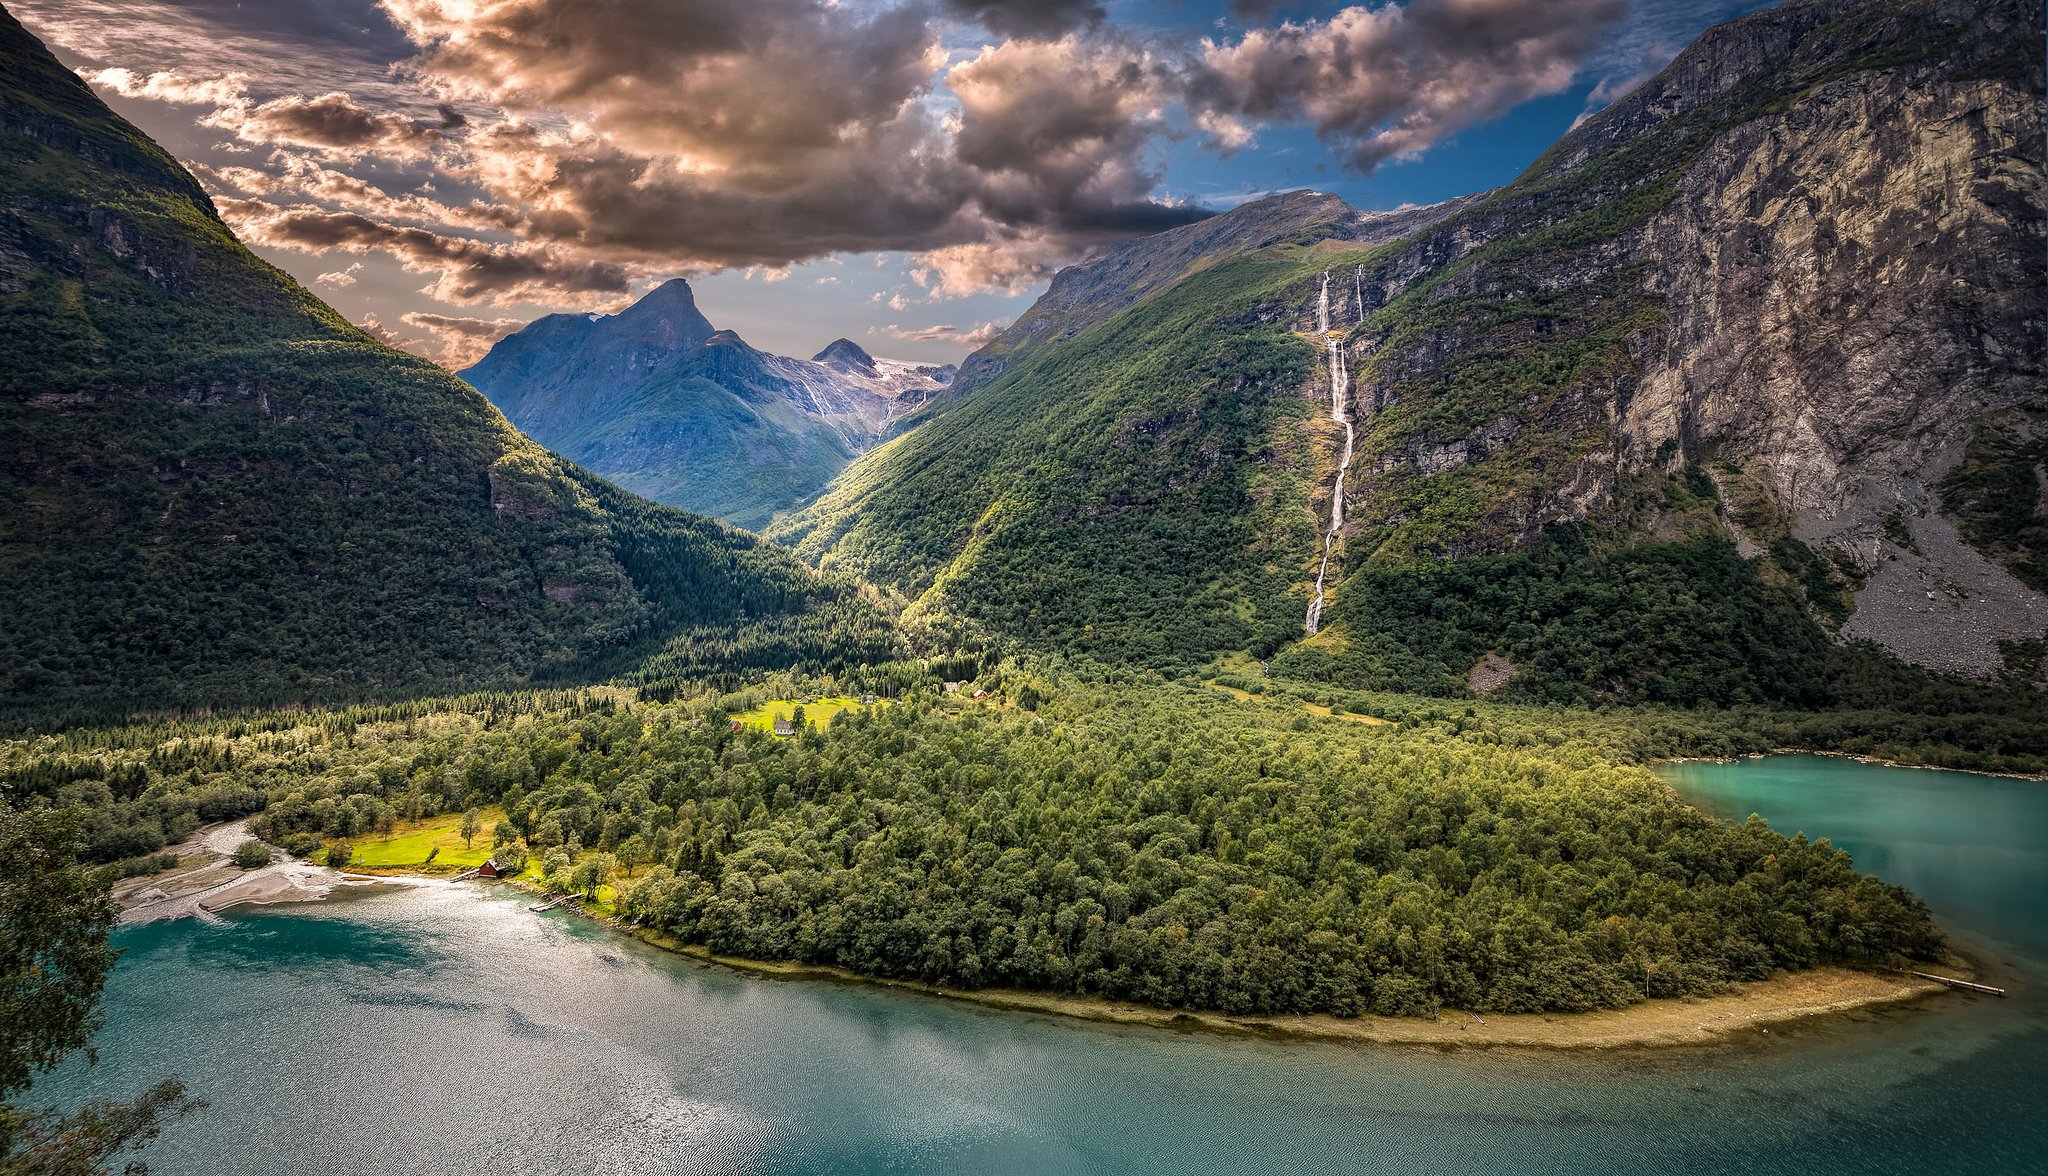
(449,1029)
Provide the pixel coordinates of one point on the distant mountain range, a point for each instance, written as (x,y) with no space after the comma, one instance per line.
(1745,371)
(214,490)
(661,402)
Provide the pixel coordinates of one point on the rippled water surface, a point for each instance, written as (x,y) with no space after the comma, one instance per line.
(450,1029)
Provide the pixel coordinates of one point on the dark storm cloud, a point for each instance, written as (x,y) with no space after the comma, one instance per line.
(469,270)
(753,132)
(1035,19)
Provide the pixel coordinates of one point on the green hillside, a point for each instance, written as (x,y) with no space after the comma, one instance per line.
(1138,493)
(213,489)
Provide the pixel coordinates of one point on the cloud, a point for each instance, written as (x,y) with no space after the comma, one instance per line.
(289,174)
(170,86)
(462,341)
(1227,133)
(975,336)
(335,125)
(469,271)
(1618,85)
(744,134)
(731,84)
(1390,82)
(382,334)
(340,279)
(537,150)
(277,48)
(1032,19)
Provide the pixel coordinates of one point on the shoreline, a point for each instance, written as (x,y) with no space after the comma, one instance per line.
(1662,1023)
(2036,777)
(215,884)
(206,881)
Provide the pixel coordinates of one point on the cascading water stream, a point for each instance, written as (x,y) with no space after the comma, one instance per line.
(1340,381)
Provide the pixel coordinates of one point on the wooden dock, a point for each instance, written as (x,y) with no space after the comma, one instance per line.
(1965,985)
(557,901)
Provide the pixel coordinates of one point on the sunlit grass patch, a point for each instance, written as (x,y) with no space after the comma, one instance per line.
(820,711)
(409,842)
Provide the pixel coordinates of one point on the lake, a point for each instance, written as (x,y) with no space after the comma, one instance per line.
(449,1029)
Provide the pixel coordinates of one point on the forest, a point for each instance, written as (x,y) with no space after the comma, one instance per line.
(1164,843)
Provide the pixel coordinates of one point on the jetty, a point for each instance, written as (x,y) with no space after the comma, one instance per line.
(556,901)
(1965,985)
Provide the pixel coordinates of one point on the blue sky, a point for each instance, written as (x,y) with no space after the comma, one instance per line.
(904,174)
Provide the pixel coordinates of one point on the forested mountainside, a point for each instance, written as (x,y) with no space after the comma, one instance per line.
(1746,368)
(658,400)
(214,489)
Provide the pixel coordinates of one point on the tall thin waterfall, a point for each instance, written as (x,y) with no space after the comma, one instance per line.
(1340,389)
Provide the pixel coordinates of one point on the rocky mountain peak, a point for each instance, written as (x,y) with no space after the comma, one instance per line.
(847,356)
(666,316)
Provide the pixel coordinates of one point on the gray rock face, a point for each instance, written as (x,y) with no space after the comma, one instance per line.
(1810,251)
(1850,287)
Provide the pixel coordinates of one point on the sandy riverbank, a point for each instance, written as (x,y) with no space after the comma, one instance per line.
(206,881)
(1750,1007)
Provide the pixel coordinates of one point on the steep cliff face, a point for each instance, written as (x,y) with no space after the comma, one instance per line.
(661,402)
(1852,289)
(1806,258)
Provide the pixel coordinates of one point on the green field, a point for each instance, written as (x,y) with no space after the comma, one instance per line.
(409,842)
(820,711)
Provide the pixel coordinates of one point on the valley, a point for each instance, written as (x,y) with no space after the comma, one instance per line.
(1599,612)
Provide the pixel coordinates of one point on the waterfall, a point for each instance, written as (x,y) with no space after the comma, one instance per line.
(1340,389)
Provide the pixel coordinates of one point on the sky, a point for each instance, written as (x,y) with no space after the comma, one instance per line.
(904,173)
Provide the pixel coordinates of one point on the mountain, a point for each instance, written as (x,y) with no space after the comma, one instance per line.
(660,402)
(214,489)
(1738,382)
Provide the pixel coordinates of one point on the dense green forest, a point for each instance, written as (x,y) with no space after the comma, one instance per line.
(1162,843)
(215,491)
